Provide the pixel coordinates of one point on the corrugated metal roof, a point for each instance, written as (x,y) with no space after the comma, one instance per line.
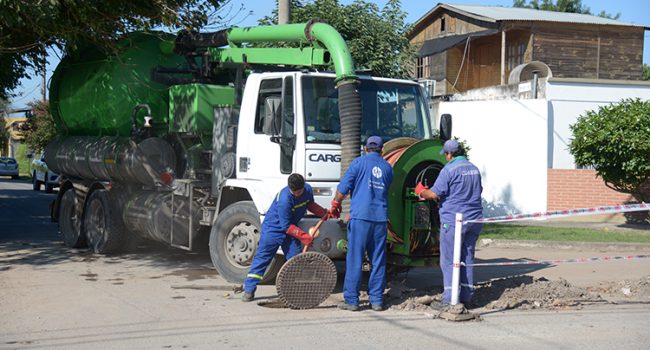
(495,14)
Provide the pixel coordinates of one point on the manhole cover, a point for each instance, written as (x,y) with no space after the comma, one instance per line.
(306,280)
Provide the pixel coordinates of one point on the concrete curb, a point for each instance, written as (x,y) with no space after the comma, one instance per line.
(504,243)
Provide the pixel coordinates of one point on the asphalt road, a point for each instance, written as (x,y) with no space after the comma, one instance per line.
(160,298)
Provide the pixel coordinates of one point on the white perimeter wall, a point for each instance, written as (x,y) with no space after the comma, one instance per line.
(568,99)
(508,140)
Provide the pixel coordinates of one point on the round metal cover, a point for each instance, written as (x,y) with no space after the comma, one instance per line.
(306,280)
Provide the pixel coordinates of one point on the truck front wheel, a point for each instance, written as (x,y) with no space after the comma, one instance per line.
(103,226)
(233,241)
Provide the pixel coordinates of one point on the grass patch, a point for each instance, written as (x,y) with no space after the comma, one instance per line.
(543,233)
(24,163)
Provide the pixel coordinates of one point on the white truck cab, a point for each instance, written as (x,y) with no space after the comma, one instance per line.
(289,123)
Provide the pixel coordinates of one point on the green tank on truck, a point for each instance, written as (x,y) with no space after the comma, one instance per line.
(187,138)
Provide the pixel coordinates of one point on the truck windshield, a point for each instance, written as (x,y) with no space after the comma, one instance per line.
(390,110)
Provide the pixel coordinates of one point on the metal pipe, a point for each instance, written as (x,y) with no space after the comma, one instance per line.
(301,33)
(535,80)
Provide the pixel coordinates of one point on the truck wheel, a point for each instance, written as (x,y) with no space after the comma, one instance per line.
(233,242)
(48,186)
(36,185)
(103,226)
(70,221)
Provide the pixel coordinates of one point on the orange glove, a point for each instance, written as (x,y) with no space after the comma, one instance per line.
(303,237)
(420,188)
(318,210)
(335,211)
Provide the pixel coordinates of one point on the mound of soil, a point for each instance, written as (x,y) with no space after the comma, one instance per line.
(525,292)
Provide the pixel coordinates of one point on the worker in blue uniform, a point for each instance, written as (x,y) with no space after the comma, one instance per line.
(367,179)
(280,229)
(458,190)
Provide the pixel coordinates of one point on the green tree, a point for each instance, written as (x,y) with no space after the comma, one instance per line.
(40,128)
(376,37)
(615,141)
(4,134)
(29,27)
(572,6)
(646,72)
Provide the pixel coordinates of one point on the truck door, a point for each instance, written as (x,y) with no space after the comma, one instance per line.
(271,148)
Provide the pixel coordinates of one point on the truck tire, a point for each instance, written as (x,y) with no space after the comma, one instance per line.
(48,187)
(70,221)
(36,185)
(103,226)
(233,241)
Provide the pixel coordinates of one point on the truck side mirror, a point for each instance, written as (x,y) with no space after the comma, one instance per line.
(445,127)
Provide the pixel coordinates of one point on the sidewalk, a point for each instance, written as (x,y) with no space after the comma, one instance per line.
(598,222)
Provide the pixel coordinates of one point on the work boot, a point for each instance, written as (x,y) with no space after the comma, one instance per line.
(349,307)
(438,305)
(377,307)
(247,297)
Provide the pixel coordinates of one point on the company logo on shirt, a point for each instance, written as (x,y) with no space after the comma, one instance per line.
(469,172)
(376,172)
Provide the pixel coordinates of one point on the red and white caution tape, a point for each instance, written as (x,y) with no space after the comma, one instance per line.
(564,261)
(565,213)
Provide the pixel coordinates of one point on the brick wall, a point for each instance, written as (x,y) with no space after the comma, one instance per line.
(568,189)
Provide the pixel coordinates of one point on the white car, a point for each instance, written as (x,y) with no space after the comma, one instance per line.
(9,167)
(41,175)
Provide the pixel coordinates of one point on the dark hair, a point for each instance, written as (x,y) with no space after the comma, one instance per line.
(459,152)
(296,182)
(373,149)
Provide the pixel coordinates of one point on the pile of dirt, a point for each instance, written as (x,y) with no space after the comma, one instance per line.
(626,290)
(539,293)
(520,292)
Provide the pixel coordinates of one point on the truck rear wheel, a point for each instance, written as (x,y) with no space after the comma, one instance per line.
(233,242)
(70,221)
(104,227)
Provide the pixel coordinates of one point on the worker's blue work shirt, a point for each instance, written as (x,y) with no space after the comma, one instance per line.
(287,209)
(368,178)
(459,188)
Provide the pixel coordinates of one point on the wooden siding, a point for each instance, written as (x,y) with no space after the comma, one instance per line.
(570,50)
(455,24)
(573,51)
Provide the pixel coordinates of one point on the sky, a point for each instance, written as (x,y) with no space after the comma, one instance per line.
(632,11)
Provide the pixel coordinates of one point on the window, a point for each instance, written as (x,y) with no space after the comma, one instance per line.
(424,67)
(269,107)
(516,53)
(390,110)
(442,24)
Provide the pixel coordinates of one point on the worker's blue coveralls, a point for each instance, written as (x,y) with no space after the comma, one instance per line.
(459,188)
(286,210)
(368,178)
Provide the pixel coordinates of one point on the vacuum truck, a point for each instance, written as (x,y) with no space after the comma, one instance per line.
(177,137)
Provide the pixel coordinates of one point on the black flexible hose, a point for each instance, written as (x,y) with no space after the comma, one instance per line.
(350,116)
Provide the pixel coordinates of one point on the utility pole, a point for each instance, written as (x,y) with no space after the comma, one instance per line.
(284,11)
(44,75)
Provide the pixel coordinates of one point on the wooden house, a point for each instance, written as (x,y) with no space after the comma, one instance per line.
(468,47)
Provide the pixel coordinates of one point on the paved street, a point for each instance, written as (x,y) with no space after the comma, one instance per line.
(163,298)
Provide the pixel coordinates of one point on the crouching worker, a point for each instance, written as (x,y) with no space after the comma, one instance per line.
(279,229)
